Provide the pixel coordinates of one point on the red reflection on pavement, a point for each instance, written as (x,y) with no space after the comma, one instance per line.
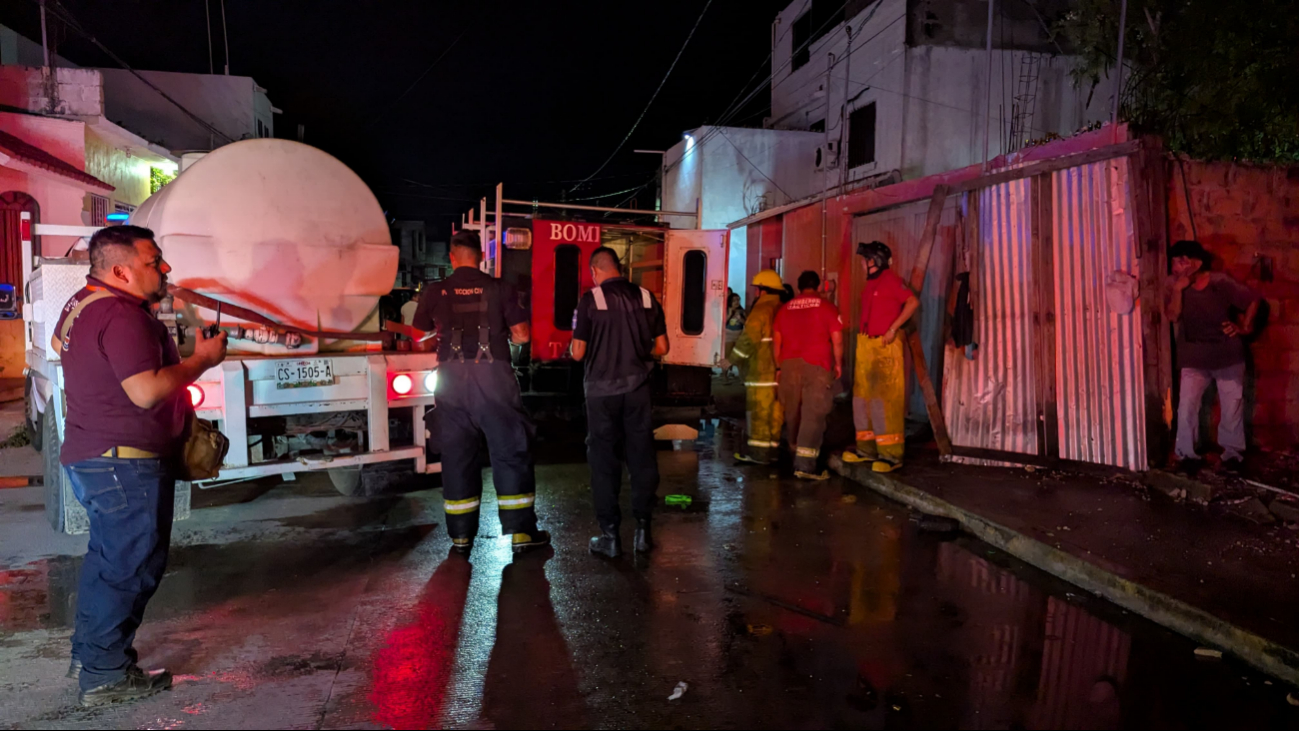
(412,672)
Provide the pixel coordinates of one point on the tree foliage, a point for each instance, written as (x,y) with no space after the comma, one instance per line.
(1217,79)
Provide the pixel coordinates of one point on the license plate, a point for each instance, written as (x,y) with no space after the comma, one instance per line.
(304,373)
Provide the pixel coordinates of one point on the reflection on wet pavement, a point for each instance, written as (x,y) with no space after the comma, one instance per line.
(779,604)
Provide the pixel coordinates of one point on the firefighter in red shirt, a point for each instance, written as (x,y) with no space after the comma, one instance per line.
(808,337)
(879,376)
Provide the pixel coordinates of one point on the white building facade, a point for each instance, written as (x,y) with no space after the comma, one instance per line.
(876,91)
(903,85)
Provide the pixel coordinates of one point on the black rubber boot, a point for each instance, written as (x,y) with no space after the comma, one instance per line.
(462,546)
(608,543)
(644,542)
(134,685)
(524,542)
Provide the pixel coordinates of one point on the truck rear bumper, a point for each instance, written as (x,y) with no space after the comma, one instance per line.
(280,467)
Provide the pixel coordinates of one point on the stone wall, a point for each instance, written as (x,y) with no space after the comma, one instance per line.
(1248,216)
(72,92)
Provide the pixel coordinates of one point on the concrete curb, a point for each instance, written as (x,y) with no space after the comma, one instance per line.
(1263,654)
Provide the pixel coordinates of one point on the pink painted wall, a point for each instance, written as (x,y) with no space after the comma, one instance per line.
(60,203)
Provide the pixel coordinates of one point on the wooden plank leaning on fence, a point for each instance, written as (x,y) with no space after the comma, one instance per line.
(936,419)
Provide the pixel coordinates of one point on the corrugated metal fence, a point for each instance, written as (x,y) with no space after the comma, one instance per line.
(1099,374)
(989,398)
(994,396)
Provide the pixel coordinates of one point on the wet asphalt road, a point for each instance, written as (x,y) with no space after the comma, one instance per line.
(780,604)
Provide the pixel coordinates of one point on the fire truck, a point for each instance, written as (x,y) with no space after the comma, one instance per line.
(543,249)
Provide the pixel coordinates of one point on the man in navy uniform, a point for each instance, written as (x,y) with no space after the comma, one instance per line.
(476,316)
(620,331)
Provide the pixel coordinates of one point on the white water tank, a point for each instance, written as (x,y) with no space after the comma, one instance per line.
(278,227)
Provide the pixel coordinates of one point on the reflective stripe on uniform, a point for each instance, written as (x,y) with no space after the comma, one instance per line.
(865,436)
(767,340)
(460,507)
(889,439)
(600,303)
(757,443)
(516,502)
(762,384)
(807,452)
(739,353)
(646,299)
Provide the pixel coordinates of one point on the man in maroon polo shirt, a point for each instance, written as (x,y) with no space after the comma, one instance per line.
(127,414)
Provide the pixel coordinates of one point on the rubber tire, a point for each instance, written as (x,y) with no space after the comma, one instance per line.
(347,480)
(35,427)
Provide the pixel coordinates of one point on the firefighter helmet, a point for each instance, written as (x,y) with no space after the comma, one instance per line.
(877,253)
(768,279)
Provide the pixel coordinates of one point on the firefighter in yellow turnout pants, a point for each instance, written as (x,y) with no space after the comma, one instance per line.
(879,376)
(755,354)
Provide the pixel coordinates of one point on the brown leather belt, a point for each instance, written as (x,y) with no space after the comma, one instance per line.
(129,453)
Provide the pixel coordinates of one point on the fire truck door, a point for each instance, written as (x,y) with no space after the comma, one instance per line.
(694,295)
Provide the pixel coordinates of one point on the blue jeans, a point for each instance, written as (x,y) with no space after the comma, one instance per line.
(1231,401)
(130,503)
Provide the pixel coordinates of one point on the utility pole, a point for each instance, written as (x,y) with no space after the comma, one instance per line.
(207,13)
(47,72)
(225,33)
(987,116)
(1118,88)
(45,41)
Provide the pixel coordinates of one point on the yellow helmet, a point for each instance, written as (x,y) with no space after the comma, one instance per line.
(768,279)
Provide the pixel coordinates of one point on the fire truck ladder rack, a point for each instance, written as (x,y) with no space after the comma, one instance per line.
(488,231)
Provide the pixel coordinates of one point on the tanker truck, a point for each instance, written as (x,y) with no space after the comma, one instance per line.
(286,249)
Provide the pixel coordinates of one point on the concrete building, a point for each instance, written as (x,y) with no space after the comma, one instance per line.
(876,92)
(132,165)
(42,175)
(903,85)
(234,105)
(728,173)
(421,260)
(19,50)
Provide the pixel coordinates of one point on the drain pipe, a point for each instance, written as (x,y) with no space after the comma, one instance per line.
(843,114)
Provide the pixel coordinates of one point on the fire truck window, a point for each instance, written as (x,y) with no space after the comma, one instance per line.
(694,284)
(568,282)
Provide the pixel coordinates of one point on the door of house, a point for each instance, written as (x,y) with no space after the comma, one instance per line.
(12,205)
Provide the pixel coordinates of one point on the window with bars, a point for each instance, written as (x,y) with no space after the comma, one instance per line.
(100,206)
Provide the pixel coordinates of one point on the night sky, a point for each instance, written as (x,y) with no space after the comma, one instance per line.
(533,93)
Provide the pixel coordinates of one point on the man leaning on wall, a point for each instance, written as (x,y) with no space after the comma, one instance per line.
(1213,314)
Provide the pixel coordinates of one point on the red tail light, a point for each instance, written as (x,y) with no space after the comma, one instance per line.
(196,396)
(401,384)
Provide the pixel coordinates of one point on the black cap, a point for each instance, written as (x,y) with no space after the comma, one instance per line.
(1190,250)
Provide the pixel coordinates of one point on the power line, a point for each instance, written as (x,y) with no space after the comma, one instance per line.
(66,16)
(611,176)
(650,103)
(633,191)
(764,85)
(755,167)
(770,56)
(419,78)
